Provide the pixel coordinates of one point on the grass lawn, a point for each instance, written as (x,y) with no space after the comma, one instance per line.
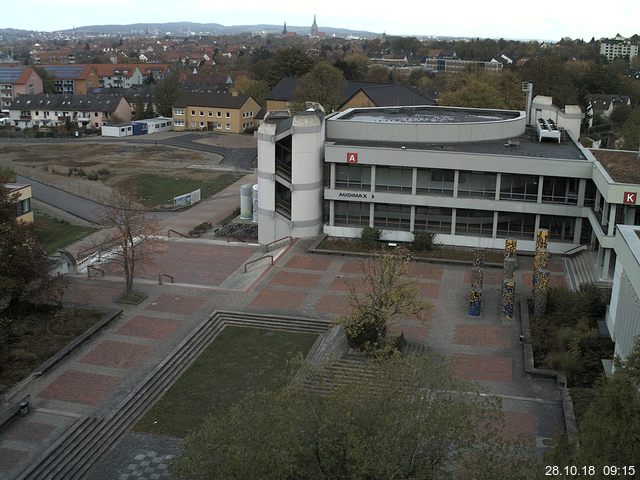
(238,361)
(39,332)
(158,190)
(55,234)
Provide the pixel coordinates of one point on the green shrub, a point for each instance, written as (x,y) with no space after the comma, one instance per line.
(370,237)
(422,241)
(22,355)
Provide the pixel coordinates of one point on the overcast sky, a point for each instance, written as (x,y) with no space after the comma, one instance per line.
(548,20)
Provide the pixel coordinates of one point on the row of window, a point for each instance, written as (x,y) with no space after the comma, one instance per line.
(180,111)
(217,126)
(439,220)
(470,183)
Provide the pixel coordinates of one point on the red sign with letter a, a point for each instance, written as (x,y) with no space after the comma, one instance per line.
(630,198)
(352,157)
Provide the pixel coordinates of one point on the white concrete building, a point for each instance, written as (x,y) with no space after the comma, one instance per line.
(623,313)
(472,177)
(290,200)
(618,47)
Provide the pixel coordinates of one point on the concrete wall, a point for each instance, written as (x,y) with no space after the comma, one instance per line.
(623,313)
(420,132)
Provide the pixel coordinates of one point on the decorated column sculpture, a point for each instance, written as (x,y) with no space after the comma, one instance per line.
(540,294)
(475,302)
(508,296)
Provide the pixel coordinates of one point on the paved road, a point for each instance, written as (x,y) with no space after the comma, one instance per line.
(78,206)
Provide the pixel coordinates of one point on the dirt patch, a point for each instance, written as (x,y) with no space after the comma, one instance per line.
(91,169)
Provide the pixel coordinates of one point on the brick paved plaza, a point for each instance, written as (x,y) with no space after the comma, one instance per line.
(93,379)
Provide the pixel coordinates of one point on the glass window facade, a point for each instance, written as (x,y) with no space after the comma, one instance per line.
(560,228)
(516,225)
(433,219)
(560,190)
(519,187)
(477,184)
(435,181)
(394,179)
(356,177)
(477,223)
(391,216)
(354,214)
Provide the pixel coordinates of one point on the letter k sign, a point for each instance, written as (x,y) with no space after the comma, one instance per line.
(630,198)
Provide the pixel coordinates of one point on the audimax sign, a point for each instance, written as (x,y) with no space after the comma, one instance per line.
(355,195)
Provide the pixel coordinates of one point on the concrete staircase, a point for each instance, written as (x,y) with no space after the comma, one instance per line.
(79,448)
(582,271)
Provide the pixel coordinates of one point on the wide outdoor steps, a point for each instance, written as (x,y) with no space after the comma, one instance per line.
(352,365)
(583,271)
(80,447)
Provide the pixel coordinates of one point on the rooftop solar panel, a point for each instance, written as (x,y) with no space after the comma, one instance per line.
(10,74)
(62,72)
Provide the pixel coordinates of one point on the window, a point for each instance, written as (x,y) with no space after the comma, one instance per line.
(394,179)
(519,187)
(391,216)
(590,194)
(179,123)
(516,225)
(193,112)
(218,114)
(560,228)
(228,126)
(433,219)
(179,111)
(477,223)
(23,206)
(95,114)
(193,124)
(201,113)
(227,115)
(477,184)
(353,176)
(201,124)
(210,114)
(560,190)
(354,214)
(435,181)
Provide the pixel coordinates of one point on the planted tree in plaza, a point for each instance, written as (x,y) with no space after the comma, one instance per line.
(409,419)
(131,234)
(379,299)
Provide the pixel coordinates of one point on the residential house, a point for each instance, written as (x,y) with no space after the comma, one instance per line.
(618,47)
(18,80)
(118,75)
(83,111)
(154,72)
(23,200)
(354,94)
(604,105)
(215,112)
(72,79)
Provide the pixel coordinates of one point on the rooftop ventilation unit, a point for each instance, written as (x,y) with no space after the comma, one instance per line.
(548,129)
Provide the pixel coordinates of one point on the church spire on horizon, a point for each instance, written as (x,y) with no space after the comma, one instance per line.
(284,30)
(314,26)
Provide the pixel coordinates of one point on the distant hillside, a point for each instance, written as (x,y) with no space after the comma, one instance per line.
(188,28)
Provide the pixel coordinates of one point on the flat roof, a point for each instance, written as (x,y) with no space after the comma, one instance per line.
(427,114)
(12,187)
(622,165)
(524,146)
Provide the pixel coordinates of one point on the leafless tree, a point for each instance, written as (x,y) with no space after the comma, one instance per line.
(130,232)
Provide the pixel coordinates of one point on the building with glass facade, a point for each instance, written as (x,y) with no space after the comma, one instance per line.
(473,177)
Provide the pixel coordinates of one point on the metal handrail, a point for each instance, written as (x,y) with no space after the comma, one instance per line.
(266,247)
(91,267)
(175,231)
(253,261)
(574,250)
(170,277)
